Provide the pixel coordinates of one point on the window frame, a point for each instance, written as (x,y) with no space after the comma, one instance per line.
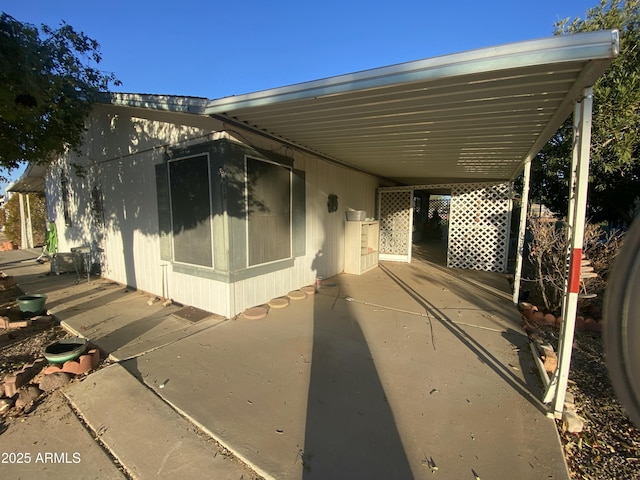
(171,213)
(247,210)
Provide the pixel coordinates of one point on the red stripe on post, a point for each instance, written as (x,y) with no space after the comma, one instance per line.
(574,272)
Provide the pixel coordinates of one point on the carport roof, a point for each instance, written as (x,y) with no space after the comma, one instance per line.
(473,116)
(478,115)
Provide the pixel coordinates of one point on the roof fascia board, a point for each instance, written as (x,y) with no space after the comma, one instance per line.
(591,72)
(548,51)
(170,103)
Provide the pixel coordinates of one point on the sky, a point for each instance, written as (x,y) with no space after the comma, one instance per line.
(215,48)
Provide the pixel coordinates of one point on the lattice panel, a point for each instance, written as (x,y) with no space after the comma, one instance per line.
(440,205)
(479,227)
(395,222)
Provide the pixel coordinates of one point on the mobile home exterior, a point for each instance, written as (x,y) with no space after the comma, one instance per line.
(181,206)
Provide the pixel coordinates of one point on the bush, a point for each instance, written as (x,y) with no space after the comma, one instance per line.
(10,218)
(548,255)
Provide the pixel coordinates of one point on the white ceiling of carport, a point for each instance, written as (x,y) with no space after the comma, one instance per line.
(472,116)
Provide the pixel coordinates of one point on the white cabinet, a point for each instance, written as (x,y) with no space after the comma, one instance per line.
(361,246)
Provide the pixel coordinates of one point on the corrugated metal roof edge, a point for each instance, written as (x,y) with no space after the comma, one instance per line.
(602,44)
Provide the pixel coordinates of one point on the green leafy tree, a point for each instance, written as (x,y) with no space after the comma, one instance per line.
(48,83)
(615,164)
(10,218)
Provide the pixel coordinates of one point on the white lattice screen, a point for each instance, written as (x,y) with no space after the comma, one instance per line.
(479,221)
(479,227)
(395,221)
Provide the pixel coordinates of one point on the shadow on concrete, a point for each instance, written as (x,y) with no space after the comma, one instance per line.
(523,388)
(350,428)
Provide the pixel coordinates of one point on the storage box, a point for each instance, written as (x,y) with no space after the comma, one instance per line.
(356,215)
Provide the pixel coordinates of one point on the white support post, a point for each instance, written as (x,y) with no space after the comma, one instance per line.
(575,236)
(524,211)
(29,224)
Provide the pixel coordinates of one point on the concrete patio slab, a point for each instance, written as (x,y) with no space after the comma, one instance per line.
(385,375)
(51,443)
(380,376)
(148,437)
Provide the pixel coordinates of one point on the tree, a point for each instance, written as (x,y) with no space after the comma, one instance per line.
(614,183)
(10,218)
(47,88)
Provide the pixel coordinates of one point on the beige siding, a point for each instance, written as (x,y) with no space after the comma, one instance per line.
(120,155)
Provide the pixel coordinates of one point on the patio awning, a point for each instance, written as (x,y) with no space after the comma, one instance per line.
(31,181)
(472,116)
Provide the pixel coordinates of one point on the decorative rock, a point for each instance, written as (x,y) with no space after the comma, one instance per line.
(538,317)
(54,380)
(558,321)
(281,302)
(255,313)
(580,323)
(13,382)
(591,325)
(550,319)
(297,295)
(550,363)
(7,324)
(569,399)
(572,422)
(309,290)
(6,283)
(27,394)
(5,405)
(525,306)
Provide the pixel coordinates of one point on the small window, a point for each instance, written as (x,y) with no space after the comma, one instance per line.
(97,208)
(268,211)
(66,198)
(190,192)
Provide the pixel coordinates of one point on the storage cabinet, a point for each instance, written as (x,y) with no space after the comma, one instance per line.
(361,246)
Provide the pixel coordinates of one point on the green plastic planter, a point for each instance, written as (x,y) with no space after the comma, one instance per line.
(65,350)
(32,304)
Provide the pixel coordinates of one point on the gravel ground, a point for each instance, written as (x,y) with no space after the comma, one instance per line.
(609,445)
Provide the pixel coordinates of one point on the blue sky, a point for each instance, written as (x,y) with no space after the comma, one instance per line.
(218,48)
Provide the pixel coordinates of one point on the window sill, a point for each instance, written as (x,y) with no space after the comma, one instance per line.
(232,277)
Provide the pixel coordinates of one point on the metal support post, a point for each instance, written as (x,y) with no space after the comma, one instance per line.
(575,233)
(524,211)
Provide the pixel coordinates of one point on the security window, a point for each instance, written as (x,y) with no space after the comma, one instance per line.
(190,192)
(268,211)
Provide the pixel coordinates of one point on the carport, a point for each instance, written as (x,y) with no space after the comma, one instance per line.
(472,118)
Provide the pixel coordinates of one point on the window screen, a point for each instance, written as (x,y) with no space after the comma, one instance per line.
(269,211)
(191,210)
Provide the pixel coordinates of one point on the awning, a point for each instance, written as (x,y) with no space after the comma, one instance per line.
(473,116)
(31,181)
